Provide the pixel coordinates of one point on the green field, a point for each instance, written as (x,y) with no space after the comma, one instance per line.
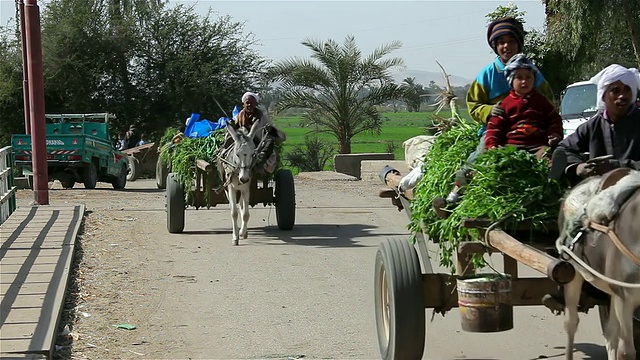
(396,128)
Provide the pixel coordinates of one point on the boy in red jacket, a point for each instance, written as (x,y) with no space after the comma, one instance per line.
(530,122)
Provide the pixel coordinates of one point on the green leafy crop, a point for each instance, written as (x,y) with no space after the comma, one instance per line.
(507,183)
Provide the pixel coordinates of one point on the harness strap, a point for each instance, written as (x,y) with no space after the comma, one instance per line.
(616,241)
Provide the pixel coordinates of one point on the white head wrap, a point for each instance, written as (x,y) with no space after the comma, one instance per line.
(249,93)
(613,73)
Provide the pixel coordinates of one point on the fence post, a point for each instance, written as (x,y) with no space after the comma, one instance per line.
(7,187)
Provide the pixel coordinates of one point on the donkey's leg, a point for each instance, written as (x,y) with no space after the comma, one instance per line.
(244,210)
(621,316)
(610,331)
(571,299)
(231,195)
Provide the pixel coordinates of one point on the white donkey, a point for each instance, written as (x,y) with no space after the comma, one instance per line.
(606,255)
(239,162)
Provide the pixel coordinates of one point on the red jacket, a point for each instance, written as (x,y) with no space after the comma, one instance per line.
(528,122)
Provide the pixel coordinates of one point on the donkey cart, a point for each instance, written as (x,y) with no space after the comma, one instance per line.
(208,190)
(405,282)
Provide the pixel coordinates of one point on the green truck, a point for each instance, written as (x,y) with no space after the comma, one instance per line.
(79,149)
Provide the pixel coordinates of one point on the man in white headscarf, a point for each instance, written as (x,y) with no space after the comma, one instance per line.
(612,136)
(249,115)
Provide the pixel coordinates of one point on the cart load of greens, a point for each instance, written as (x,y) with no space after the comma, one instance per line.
(508,186)
(183,152)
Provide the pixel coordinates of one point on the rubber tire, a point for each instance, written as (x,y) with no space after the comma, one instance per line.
(121,181)
(161,174)
(132,168)
(603,311)
(397,263)
(175,205)
(67,184)
(285,199)
(90,176)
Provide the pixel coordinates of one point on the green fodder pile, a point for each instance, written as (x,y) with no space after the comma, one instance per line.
(183,155)
(507,183)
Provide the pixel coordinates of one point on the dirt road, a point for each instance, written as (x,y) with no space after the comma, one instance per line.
(282,295)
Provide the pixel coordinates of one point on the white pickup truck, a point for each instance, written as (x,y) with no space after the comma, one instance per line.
(578,103)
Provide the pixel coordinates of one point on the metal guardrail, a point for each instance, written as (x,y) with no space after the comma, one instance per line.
(7,186)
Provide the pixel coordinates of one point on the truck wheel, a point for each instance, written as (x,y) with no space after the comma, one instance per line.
(285,199)
(90,176)
(175,204)
(121,181)
(132,170)
(399,301)
(162,170)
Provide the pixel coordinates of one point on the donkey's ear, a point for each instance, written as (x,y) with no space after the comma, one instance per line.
(254,130)
(232,131)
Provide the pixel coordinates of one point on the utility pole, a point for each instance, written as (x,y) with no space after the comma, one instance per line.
(36,102)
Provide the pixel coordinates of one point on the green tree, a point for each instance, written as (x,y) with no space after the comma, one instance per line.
(148,63)
(11,106)
(590,35)
(413,94)
(339,87)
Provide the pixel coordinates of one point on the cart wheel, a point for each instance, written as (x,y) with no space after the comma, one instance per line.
(132,170)
(67,184)
(90,176)
(603,311)
(285,199)
(399,302)
(175,204)
(161,174)
(121,181)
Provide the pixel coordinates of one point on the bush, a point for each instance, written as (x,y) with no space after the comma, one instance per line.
(313,156)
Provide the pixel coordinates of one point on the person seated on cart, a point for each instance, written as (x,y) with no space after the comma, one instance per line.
(610,138)
(530,122)
(490,88)
(269,135)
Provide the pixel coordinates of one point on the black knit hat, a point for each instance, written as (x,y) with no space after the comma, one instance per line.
(504,26)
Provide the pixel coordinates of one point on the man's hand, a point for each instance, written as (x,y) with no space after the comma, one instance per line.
(497,110)
(554,140)
(584,170)
(604,164)
(597,166)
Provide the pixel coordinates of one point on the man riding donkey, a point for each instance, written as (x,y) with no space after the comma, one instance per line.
(265,139)
(607,141)
(489,89)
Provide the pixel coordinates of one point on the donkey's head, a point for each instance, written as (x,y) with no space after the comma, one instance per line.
(242,156)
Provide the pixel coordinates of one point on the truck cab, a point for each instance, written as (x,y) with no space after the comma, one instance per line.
(79,149)
(578,104)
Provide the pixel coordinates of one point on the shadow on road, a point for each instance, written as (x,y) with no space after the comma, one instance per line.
(590,351)
(326,235)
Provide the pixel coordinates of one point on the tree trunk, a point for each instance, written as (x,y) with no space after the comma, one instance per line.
(344,144)
(628,13)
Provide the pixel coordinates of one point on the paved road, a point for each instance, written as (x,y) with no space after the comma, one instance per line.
(307,292)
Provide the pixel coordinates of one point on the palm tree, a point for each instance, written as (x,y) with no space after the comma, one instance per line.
(338,87)
(414,93)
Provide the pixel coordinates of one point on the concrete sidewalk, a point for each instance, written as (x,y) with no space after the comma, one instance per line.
(35,261)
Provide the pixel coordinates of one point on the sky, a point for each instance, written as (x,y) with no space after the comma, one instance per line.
(452,32)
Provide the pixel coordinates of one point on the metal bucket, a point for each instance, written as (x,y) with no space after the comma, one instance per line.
(484,301)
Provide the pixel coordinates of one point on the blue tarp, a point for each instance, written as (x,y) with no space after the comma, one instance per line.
(202,128)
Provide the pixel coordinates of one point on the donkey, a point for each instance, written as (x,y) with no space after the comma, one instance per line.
(239,162)
(600,237)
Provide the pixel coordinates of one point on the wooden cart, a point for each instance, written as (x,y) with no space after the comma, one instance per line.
(142,159)
(280,191)
(405,283)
